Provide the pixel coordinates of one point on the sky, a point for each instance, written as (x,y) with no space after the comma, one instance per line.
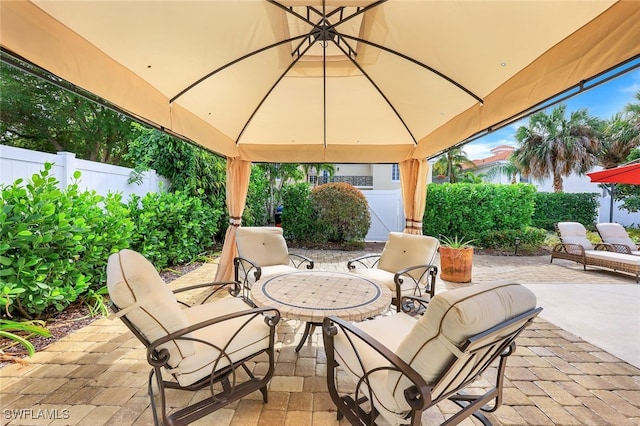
(602,101)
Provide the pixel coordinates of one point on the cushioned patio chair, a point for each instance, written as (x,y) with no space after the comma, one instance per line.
(401,365)
(405,265)
(575,246)
(263,253)
(615,235)
(195,347)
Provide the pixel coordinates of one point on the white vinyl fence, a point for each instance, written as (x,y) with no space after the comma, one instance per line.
(18,163)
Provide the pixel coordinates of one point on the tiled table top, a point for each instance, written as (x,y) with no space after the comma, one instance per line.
(312,295)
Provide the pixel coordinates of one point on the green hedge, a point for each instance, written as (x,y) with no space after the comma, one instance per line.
(172,227)
(299,220)
(469,210)
(54,243)
(553,207)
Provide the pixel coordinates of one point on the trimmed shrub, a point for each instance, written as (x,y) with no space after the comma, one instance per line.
(299,219)
(553,207)
(343,212)
(54,243)
(467,210)
(172,228)
(530,239)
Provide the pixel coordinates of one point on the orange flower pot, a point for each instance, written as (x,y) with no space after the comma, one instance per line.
(456,264)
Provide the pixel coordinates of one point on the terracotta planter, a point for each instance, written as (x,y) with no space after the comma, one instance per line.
(455,264)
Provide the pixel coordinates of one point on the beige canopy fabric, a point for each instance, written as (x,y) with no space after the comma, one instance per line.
(314,82)
(413,180)
(238,174)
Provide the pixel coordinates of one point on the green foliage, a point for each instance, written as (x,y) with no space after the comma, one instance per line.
(191,170)
(456,242)
(22,331)
(38,115)
(255,211)
(553,207)
(468,210)
(530,239)
(54,243)
(172,228)
(299,220)
(343,211)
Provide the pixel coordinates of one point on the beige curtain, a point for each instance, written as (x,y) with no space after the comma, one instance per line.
(238,173)
(413,179)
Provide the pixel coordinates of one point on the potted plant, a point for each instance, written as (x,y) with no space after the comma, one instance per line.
(456,259)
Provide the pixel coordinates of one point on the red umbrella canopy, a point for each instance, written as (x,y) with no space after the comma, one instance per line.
(629,174)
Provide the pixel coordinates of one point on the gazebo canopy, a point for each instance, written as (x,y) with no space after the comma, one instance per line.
(333,81)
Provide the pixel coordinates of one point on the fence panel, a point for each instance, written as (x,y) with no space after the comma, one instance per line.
(18,163)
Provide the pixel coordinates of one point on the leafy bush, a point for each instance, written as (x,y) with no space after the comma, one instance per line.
(172,228)
(553,207)
(469,210)
(54,243)
(530,239)
(343,212)
(299,220)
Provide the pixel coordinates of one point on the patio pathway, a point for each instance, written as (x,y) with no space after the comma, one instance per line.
(98,374)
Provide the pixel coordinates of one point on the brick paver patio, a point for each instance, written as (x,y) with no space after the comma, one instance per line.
(98,374)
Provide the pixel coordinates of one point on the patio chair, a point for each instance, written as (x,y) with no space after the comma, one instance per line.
(263,252)
(193,347)
(617,236)
(402,365)
(405,265)
(575,246)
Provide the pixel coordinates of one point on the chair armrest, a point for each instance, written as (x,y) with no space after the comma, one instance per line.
(621,248)
(575,249)
(418,395)
(160,357)
(241,263)
(367,261)
(414,305)
(216,286)
(428,276)
(298,260)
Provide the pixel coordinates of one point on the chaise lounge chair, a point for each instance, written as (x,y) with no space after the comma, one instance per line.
(615,235)
(401,364)
(575,246)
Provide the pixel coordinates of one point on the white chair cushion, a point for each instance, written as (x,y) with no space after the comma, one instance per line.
(613,256)
(614,233)
(389,331)
(574,233)
(385,278)
(133,279)
(404,250)
(251,338)
(263,245)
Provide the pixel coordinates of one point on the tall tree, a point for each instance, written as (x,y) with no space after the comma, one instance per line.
(620,135)
(278,174)
(318,168)
(451,164)
(553,146)
(38,115)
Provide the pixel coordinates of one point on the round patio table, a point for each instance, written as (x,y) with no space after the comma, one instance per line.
(312,295)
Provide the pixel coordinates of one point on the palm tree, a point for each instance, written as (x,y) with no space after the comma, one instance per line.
(620,135)
(511,169)
(552,145)
(318,167)
(451,163)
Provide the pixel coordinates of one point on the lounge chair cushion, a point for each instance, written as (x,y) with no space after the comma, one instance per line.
(614,233)
(404,250)
(611,256)
(253,338)
(574,233)
(383,277)
(433,340)
(263,245)
(134,284)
